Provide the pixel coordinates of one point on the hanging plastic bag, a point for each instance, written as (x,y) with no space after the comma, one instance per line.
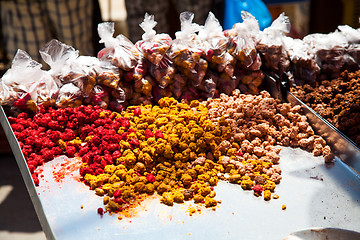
(257,8)
(68,67)
(270,45)
(69,96)
(187,50)
(242,40)
(214,41)
(25,84)
(153,46)
(120,51)
(99,97)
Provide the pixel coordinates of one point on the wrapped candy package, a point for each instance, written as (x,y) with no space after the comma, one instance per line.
(25,85)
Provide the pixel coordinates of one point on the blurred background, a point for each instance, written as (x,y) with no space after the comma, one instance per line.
(29,24)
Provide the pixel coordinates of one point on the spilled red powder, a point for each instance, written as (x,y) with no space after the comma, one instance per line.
(69,167)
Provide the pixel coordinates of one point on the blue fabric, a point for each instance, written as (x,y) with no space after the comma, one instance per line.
(257,8)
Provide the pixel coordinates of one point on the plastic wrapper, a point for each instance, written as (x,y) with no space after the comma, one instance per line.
(227,66)
(208,86)
(159,92)
(190,94)
(249,81)
(125,91)
(153,46)
(270,46)
(108,75)
(164,72)
(138,72)
(69,96)
(214,41)
(242,41)
(99,97)
(120,51)
(68,67)
(329,51)
(144,86)
(179,85)
(25,85)
(303,67)
(117,106)
(187,50)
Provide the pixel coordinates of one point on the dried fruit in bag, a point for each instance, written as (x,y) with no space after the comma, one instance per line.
(214,40)
(270,46)
(120,51)
(99,97)
(25,84)
(187,50)
(164,72)
(138,72)
(68,67)
(69,96)
(153,46)
(242,41)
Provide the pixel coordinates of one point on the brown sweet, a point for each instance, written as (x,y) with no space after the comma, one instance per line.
(337,101)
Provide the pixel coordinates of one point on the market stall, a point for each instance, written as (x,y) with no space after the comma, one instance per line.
(172,138)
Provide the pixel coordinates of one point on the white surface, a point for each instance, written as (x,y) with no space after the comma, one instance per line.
(316,195)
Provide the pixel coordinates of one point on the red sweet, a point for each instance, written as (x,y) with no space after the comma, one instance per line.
(116,154)
(99,171)
(56,151)
(17,127)
(257,189)
(134,143)
(159,134)
(46,154)
(35,179)
(119,200)
(83,150)
(70,151)
(100,211)
(68,135)
(53,125)
(239,153)
(117,193)
(137,111)
(150,178)
(55,136)
(148,133)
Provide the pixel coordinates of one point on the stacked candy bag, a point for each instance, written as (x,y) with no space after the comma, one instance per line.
(120,51)
(25,85)
(270,46)
(187,50)
(153,46)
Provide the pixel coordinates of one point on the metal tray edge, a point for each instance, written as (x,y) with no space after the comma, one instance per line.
(30,186)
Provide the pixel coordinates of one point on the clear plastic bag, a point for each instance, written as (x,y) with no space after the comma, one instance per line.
(25,84)
(249,81)
(329,52)
(138,72)
(242,41)
(304,68)
(164,72)
(153,46)
(68,67)
(213,40)
(120,51)
(270,46)
(187,50)
(69,96)
(108,75)
(99,97)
